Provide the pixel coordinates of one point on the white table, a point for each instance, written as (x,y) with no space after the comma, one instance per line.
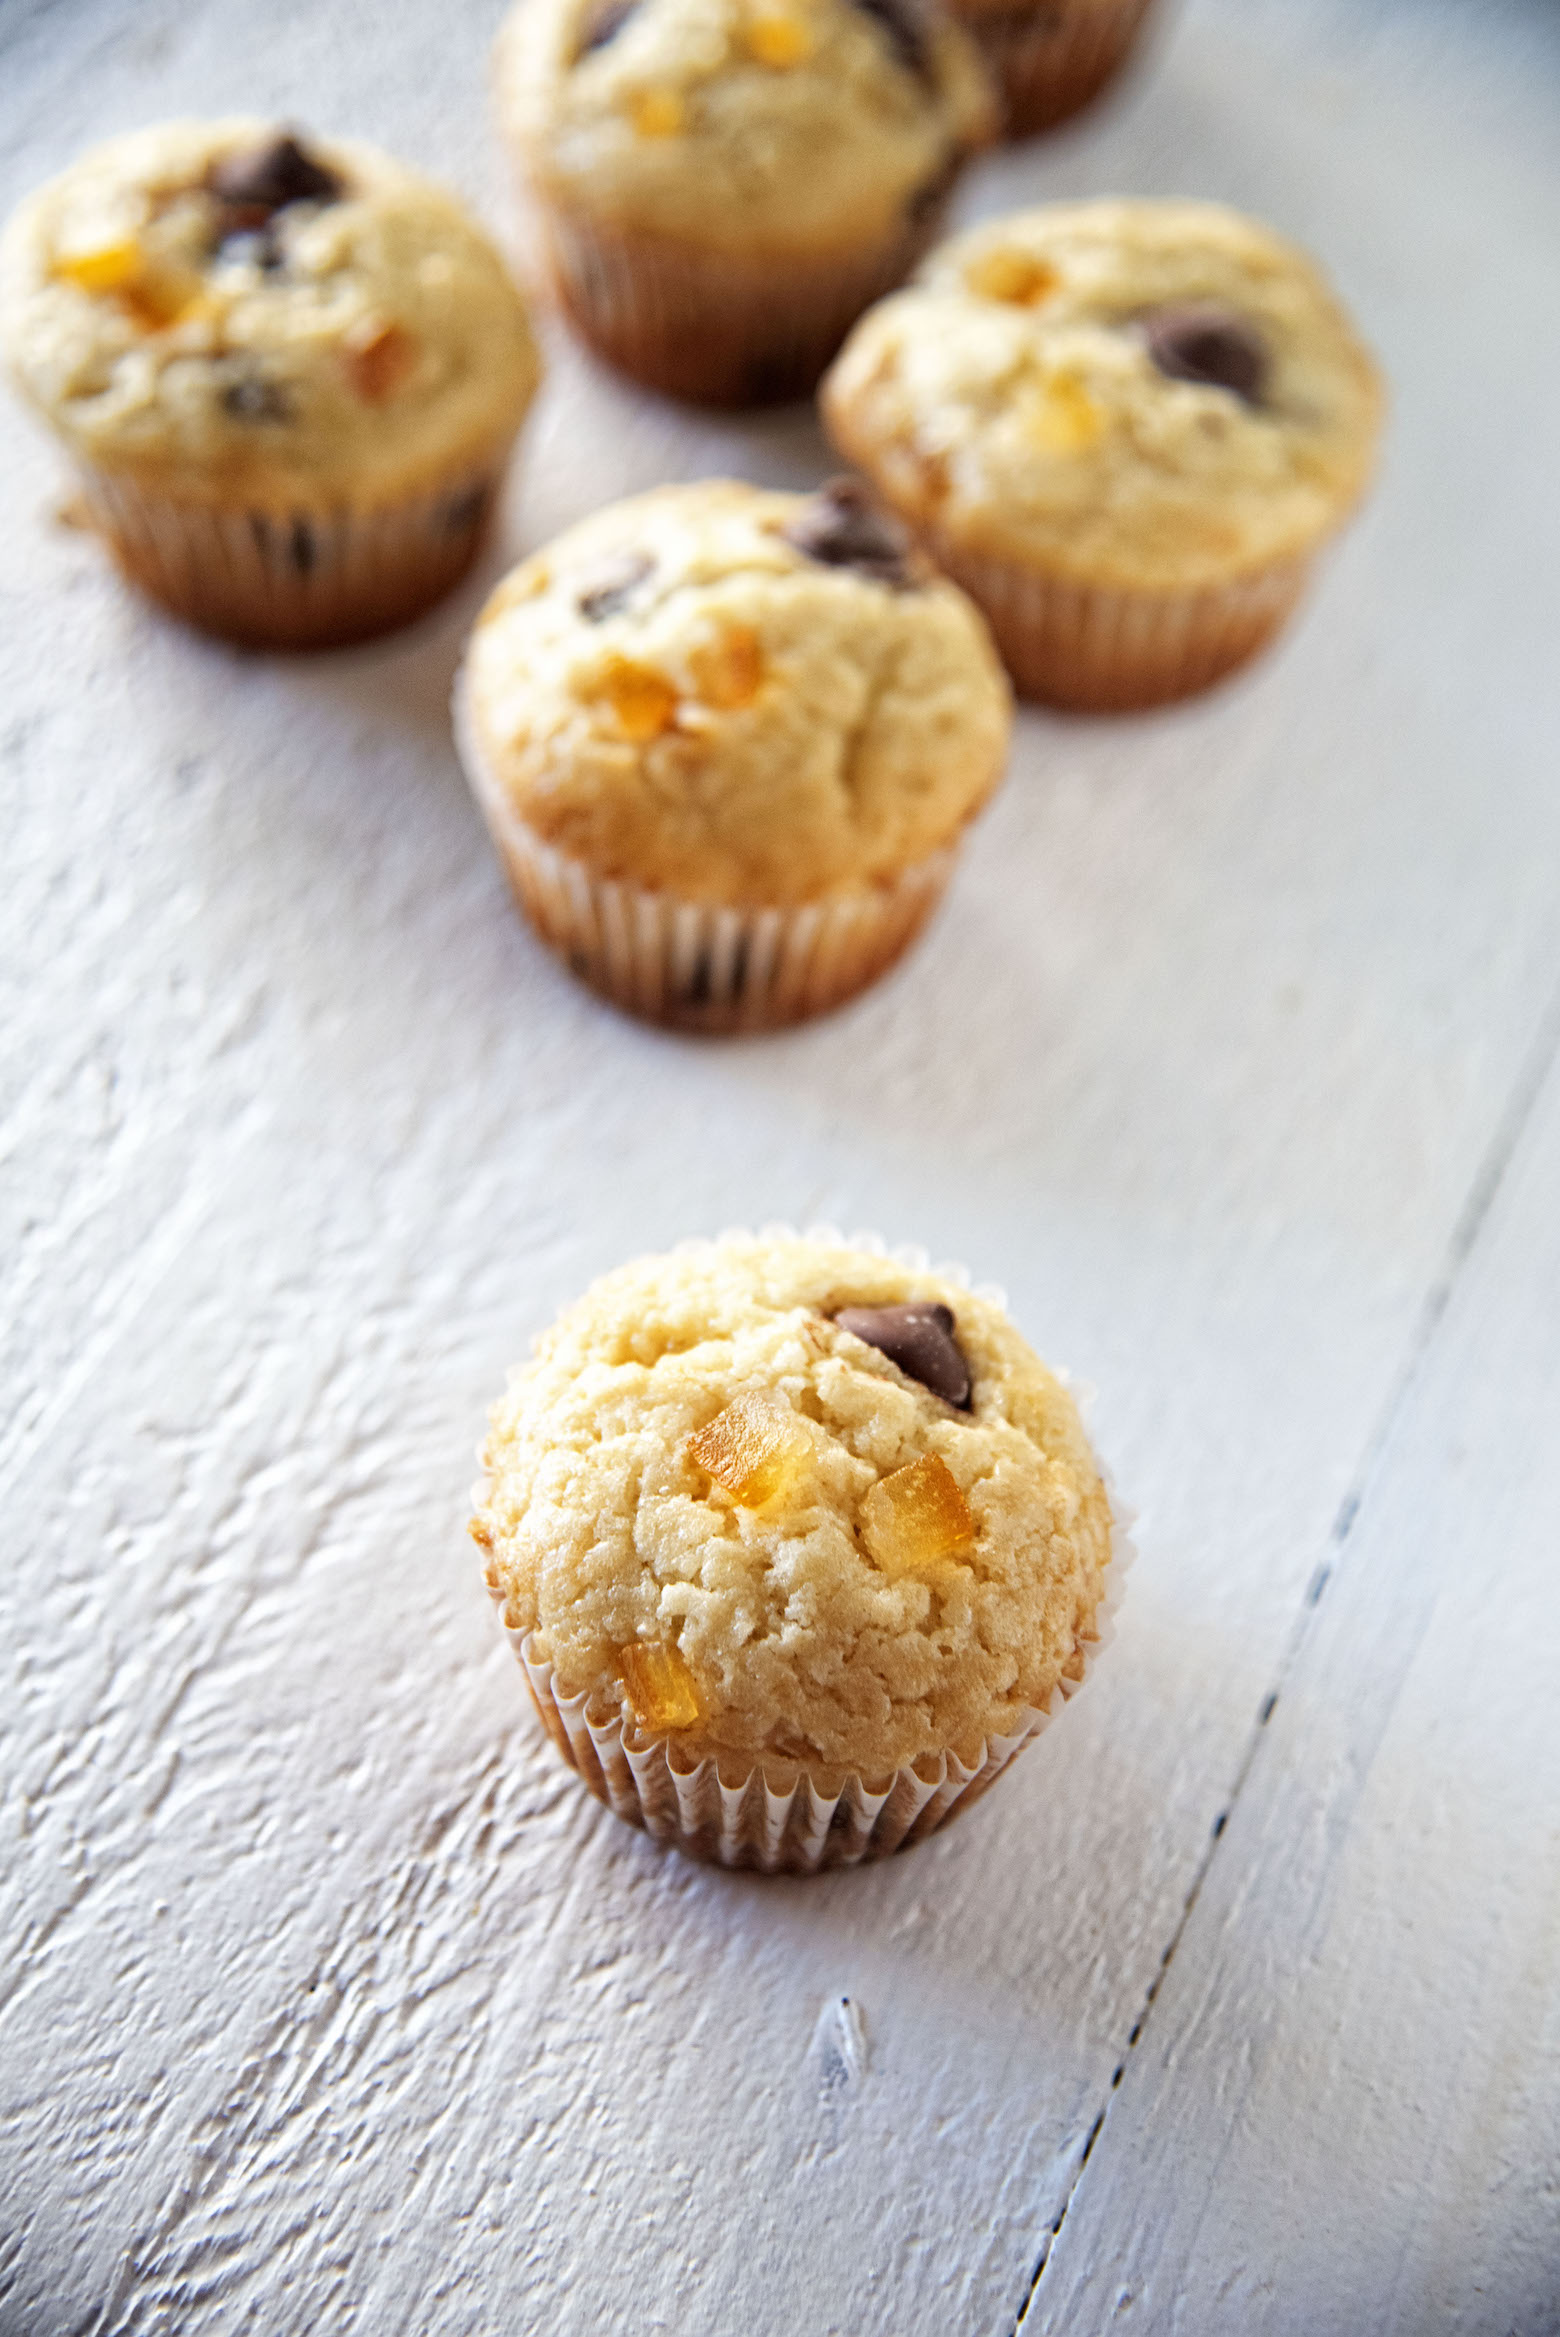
(328,2000)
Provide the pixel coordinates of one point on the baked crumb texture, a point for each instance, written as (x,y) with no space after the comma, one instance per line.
(351,340)
(891,1579)
(1008,402)
(677,696)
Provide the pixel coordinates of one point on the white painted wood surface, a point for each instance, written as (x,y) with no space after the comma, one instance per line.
(328,2001)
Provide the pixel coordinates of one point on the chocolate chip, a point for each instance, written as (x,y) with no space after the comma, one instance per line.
(254,399)
(603,23)
(841,527)
(919,1338)
(908,26)
(1196,340)
(612,585)
(267,178)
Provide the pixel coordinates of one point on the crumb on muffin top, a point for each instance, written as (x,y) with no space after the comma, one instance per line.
(737,695)
(754,126)
(1153,395)
(234,309)
(724,1510)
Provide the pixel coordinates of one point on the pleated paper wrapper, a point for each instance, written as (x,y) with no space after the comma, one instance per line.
(721,328)
(1100,650)
(299,575)
(701,965)
(1053,57)
(786,1819)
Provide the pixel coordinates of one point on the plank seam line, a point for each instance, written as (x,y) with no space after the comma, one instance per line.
(1471,1218)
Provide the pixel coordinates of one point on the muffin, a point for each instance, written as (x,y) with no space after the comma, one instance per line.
(1125,427)
(724,185)
(727,742)
(797,1542)
(288,374)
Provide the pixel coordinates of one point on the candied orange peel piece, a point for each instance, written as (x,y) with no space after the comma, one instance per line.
(755,1449)
(778,39)
(1018,278)
(104,267)
(728,671)
(643,701)
(917,1518)
(659,1686)
(378,356)
(1067,419)
(656,113)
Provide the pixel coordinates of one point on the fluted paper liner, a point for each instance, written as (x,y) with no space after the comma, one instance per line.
(701,965)
(1100,650)
(784,1817)
(721,328)
(300,575)
(1053,57)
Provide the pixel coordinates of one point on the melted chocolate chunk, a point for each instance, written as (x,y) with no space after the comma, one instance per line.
(841,527)
(613,586)
(908,27)
(267,178)
(920,1340)
(254,399)
(1196,340)
(603,23)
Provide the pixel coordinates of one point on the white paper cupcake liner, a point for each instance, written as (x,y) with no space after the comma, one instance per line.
(784,1818)
(700,965)
(1055,56)
(1099,650)
(716,327)
(303,577)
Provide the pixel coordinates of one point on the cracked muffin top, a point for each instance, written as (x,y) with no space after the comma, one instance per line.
(736,696)
(754,126)
(792,1501)
(1149,395)
(243,313)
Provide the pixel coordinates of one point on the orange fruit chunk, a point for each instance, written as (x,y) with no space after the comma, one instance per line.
(1016,277)
(378,356)
(755,1449)
(656,113)
(1067,419)
(105,267)
(728,671)
(658,1685)
(917,1518)
(643,700)
(779,40)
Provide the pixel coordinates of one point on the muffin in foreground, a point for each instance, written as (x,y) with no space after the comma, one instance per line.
(1050,58)
(798,1542)
(289,374)
(724,185)
(726,742)
(1125,427)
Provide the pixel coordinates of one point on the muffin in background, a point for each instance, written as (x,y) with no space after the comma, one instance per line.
(288,372)
(1125,427)
(798,1543)
(727,742)
(1050,58)
(724,185)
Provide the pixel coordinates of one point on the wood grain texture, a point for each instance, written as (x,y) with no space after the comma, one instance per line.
(327,2001)
(1346,2109)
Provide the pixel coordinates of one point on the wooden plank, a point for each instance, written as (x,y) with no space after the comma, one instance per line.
(1345,2108)
(324,1992)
